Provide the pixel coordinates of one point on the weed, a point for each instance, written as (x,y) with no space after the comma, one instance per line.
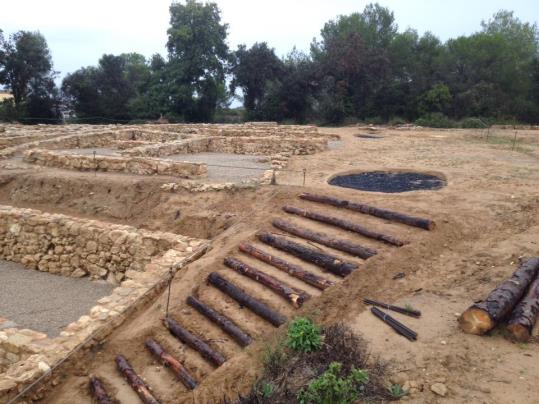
(266,390)
(397,391)
(303,335)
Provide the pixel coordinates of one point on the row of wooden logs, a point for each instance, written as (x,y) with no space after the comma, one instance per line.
(516,301)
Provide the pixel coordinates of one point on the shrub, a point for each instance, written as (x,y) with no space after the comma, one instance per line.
(436,120)
(473,123)
(374,120)
(397,120)
(303,335)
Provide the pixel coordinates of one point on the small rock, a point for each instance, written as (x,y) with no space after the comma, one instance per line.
(439,389)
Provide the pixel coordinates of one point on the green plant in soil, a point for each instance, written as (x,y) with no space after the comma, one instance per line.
(303,335)
(397,391)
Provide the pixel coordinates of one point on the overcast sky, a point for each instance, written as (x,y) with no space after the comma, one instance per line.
(79,32)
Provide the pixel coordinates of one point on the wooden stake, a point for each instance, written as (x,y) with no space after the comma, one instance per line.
(169,361)
(136,383)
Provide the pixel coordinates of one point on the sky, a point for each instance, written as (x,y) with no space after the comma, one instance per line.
(79,32)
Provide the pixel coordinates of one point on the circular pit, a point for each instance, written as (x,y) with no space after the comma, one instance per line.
(389,182)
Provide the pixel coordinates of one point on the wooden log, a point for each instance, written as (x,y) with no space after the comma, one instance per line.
(246,300)
(295,296)
(426,224)
(291,269)
(192,341)
(345,224)
(136,383)
(226,324)
(171,362)
(524,316)
(321,238)
(98,391)
(482,317)
(323,260)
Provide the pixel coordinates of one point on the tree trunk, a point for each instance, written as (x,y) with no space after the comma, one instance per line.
(169,361)
(345,224)
(246,300)
(483,316)
(426,224)
(323,260)
(295,296)
(98,391)
(291,269)
(321,238)
(227,325)
(523,318)
(136,383)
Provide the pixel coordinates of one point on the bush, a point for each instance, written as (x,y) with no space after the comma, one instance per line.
(473,123)
(303,335)
(397,120)
(436,120)
(374,120)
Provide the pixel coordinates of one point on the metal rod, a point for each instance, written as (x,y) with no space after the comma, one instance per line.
(402,310)
(396,325)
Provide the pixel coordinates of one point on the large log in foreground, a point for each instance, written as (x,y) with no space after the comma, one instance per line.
(227,325)
(169,361)
(426,224)
(483,316)
(246,300)
(295,296)
(344,224)
(194,342)
(291,269)
(98,391)
(524,316)
(323,260)
(320,238)
(136,383)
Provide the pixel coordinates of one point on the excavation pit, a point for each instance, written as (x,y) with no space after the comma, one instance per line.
(389,182)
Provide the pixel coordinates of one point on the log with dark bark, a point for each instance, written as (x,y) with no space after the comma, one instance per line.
(246,300)
(171,362)
(345,224)
(321,238)
(136,383)
(192,341)
(323,260)
(524,316)
(426,224)
(98,391)
(483,316)
(295,296)
(227,325)
(291,269)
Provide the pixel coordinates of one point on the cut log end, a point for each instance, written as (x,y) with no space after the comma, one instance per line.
(476,321)
(518,332)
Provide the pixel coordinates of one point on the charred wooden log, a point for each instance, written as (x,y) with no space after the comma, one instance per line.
(320,238)
(426,224)
(194,342)
(395,324)
(345,224)
(323,260)
(524,316)
(136,383)
(171,362)
(483,316)
(293,270)
(227,325)
(295,296)
(98,391)
(246,300)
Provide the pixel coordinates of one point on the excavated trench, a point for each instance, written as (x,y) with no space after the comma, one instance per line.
(389,182)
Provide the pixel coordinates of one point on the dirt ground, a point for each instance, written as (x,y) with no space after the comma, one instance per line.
(487,217)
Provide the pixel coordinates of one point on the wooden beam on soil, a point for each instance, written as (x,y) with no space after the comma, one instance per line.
(295,296)
(226,324)
(136,383)
(246,300)
(321,238)
(293,270)
(426,224)
(171,362)
(402,310)
(396,325)
(482,317)
(524,316)
(329,262)
(345,225)
(194,342)
(98,391)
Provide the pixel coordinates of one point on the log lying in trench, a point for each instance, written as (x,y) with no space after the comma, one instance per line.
(524,316)
(323,260)
(320,238)
(483,316)
(293,270)
(136,383)
(246,300)
(171,362)
(426,224)
(295,296)
(192,341)
(226,324)
(345,224)
(98,391)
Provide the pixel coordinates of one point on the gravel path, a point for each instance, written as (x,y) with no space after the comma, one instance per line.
(45,302)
